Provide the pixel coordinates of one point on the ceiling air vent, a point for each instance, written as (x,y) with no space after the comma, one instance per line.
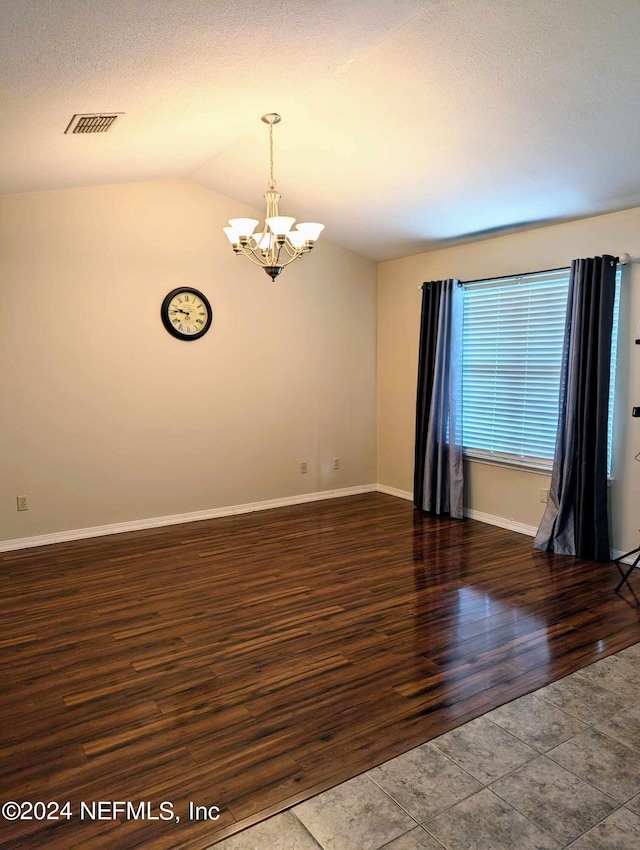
(98,123)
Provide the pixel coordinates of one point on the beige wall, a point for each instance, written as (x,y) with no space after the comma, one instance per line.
(106,418)
(507,493)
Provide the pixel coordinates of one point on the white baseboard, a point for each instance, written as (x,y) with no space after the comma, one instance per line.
(502,522)
(392,491)
(214,513)
(194,516)
(481,517)
(617,553)
(530,530)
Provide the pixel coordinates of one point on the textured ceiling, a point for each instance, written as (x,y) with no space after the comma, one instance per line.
(406,124)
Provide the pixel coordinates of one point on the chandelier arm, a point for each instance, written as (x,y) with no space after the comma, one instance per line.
(250,253)
(287,262)
(268,258)
(291,251)
(267,261)
(258,261)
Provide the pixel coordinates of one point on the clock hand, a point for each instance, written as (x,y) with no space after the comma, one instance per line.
(180,311)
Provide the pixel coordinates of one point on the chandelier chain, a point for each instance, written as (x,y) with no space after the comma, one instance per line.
(272,182)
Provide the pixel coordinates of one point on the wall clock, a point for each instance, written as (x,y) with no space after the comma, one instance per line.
(186,313)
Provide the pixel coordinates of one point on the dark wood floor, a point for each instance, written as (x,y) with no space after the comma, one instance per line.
(250,662)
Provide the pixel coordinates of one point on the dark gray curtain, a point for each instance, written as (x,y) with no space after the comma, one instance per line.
(575,521)
(438,477)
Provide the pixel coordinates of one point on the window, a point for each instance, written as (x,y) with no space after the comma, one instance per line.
(512,353)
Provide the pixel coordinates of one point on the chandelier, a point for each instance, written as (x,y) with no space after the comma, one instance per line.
(276,245)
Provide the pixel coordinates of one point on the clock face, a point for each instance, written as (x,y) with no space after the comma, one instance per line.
(186,313)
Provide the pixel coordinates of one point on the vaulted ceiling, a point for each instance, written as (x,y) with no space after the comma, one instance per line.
(407,124)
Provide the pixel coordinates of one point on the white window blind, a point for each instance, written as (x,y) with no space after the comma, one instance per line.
(512,353)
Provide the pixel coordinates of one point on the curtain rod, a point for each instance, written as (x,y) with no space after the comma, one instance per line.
(623,260)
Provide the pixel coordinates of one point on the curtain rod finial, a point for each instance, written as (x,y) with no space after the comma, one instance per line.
(624,259)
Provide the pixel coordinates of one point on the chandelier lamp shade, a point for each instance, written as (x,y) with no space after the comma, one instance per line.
(277,244)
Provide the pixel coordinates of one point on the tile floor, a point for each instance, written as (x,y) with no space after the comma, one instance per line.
(559,768)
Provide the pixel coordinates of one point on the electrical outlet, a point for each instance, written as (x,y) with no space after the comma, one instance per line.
(544,496)
(23,504)
(303,467)
(336,463)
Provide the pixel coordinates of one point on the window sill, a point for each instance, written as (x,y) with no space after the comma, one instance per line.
(539,467)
